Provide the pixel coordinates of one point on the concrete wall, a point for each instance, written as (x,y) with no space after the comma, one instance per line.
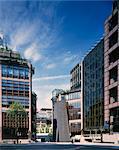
(111,138)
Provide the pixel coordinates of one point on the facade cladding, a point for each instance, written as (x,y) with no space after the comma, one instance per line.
(74,112)
(75,81)
(74,100)
(93,93)
(111,69)
(15,86)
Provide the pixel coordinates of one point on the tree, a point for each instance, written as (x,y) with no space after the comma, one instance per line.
(16,113)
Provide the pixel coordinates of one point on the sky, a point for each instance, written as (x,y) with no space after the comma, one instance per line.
(54,36)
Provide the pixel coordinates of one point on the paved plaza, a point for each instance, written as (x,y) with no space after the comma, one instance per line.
(49,146)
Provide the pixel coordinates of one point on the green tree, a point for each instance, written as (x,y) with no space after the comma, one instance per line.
(16,113)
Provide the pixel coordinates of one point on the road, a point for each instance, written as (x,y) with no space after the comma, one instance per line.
(46,146)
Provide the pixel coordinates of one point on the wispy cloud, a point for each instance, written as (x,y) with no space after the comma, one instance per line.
(69,57)
(32,52)
(34,29)
(51,77)
(28,23)
(51,66)
(23,35)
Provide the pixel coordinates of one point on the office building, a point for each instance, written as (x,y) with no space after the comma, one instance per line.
(44,124)
(111,70)
(44,120)
(75,81)
(93,88)
(15,86)
(74,99)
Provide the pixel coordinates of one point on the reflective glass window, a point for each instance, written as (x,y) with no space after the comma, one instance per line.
(4,71)
(16,73)
(9,72)
(26,74)
(22,73)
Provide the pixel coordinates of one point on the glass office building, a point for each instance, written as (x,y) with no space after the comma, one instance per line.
(73,100)
(15,86)
(75,81)
(93,85)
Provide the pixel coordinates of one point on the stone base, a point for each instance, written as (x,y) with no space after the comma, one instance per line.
(82,139)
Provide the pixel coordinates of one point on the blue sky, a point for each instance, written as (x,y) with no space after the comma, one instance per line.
(54,36)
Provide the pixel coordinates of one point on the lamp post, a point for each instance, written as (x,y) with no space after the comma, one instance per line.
(101,134)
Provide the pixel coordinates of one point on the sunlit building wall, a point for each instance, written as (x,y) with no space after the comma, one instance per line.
(44,121)
(111,70)
(15,86)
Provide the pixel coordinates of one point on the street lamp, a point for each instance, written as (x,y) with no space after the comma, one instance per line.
(101,134)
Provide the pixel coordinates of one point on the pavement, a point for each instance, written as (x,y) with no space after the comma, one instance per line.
(56,146)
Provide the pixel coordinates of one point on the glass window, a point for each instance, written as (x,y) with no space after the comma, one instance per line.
(22,73)
(16,73)
(9,72)
(26,74)
(4,71)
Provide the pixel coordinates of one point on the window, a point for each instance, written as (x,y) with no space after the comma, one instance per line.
(113,75)
(114,114)
(16,73)
(113,21)
(114,55)
(15,88)
(26,74)
(9,72)
(21,74)
(113,95)
(113,39)
(4,71)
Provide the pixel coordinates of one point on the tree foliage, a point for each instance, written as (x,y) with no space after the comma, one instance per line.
(16,109)
(16,114)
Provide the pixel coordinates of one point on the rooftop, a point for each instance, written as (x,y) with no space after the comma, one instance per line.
(7,54)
